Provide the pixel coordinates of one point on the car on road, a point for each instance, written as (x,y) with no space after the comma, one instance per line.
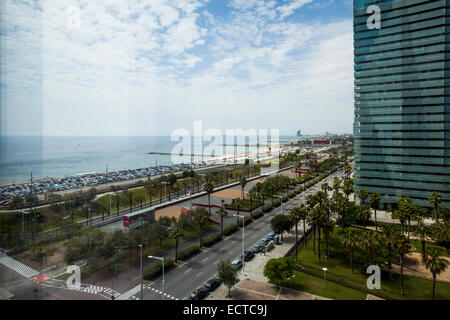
(199,294)
(212,284)
(236,263)
(248,255)
(256,248)
(271,236)
(264,241)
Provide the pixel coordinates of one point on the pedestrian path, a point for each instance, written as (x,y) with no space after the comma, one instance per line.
(18,266)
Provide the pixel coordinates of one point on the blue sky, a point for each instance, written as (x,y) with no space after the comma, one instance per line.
(133,67)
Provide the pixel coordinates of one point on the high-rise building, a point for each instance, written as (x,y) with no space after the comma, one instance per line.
(402,98)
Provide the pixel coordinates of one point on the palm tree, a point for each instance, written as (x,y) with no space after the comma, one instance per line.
(370,244)
(294,216)
(316,220)
(311,201)
(150,190)
(325,188)
(336,185)
(222,213)
(347,187)
(403,248)
(435,199)
(421,232)
(243,183)
(362,195)
(405,210)
(176,234)
(374,200)
(201,218)
(389,236)
(117,202)
(303,214)
(363,214)
(327,228)
(441,232)
(209,188)
(435,264)
(349,240)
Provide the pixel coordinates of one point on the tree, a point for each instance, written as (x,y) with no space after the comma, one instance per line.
(441,233)
(327,227)
(280,223)
(389,237)
(303,214)
(117,201)
(140,199)
(295,216)
(347,187)
(222,213)
(421,232)
(363,213)
(435,264)
(371,244)
(317,217)
(362,195)
(160,231)
(227,274)
(374,200)
(209,188)
(201,218)
(349,241)
(243,183)
(403,248)
(278,269)
(435,199)
(176,234)
(150,190)
(405,210)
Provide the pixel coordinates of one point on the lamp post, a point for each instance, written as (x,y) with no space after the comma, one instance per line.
(190,199)
(162,259)
(243,239)
(165,183)
(142,276)
(324,278)
(23,222)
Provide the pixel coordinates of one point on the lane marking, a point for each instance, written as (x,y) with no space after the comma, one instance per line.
(188,270)
(205,259)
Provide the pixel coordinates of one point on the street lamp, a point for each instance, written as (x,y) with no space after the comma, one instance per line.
(243,239)
(23,223)
(324,279)
(281,202)
(190,199)
(165,183)
(162,259)
(142,276)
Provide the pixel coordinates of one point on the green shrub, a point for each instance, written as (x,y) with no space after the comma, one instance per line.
(257,214)
(189,252)
(212,239)
(155,269)
(267,208)
(230,229)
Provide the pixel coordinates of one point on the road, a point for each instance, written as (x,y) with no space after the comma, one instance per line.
(182,280)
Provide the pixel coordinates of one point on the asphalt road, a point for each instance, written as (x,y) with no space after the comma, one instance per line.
(182,280)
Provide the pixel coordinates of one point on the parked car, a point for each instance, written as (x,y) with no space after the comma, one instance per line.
(236,264)
(199,294)
(212,284)
(264,241)
(276,240)
(248,255)
(271,236)
(256,248)
(270,246)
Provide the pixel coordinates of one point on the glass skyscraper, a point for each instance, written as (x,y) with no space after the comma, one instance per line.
(402,99)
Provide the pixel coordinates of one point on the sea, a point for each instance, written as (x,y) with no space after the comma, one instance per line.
(61,156)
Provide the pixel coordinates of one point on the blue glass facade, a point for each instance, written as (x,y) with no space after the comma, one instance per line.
(402,100)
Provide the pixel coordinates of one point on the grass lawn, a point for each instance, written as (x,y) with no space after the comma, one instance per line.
(315,285)
(339,272)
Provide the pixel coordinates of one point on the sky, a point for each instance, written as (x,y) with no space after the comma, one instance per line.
(141,68)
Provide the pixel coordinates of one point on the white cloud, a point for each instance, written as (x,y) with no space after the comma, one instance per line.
(289,8)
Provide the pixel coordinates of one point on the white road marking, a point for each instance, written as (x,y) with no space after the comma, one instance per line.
(205,259)
(188,270)
(198,274)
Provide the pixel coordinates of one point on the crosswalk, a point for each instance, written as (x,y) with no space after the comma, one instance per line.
(167,296)
(18,266)
(85,288)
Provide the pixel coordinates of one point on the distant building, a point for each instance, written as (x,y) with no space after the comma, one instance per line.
(402,106)
(322,142)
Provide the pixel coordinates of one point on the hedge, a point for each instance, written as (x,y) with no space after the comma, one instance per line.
(230,229)
(257,214)
(155,269)
(212,239)
(189,252)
